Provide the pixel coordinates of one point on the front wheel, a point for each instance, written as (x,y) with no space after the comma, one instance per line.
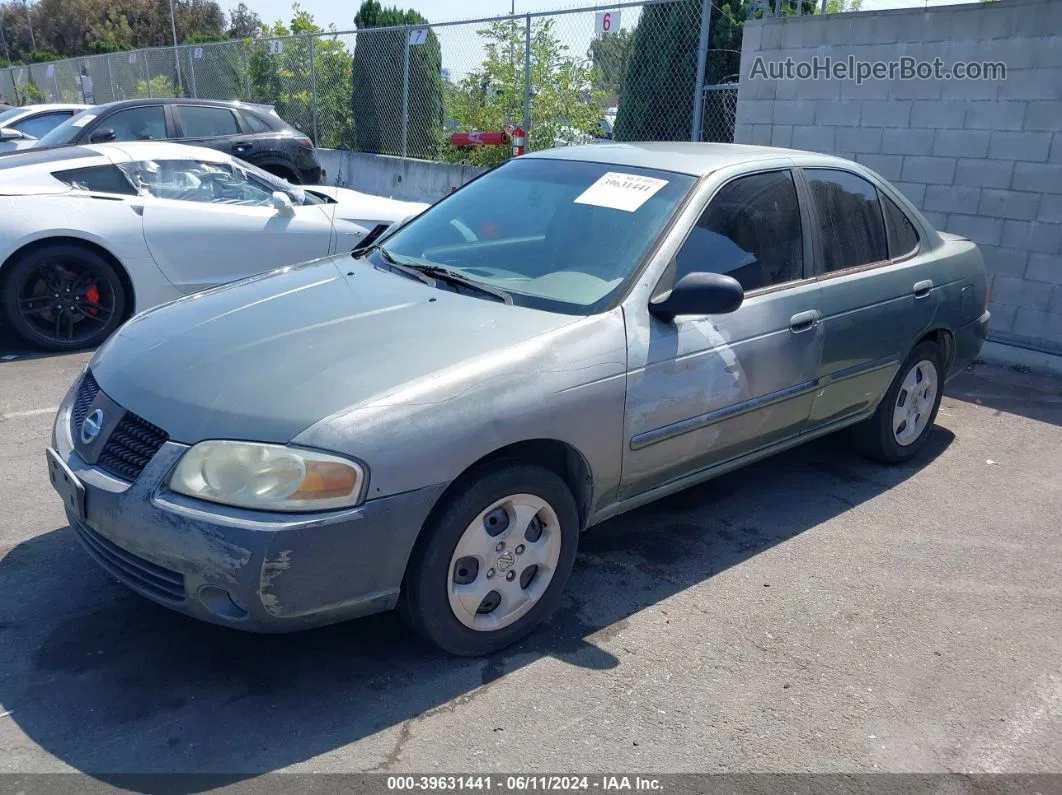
(904,418)
(62,297)
(494,561)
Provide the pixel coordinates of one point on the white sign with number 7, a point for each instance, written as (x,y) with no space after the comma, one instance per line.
(606,22)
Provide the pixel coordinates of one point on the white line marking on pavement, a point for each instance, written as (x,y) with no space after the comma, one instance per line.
(994,754)
(14,415)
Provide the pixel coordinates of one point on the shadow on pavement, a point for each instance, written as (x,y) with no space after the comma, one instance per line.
(1010,390)
(109,683)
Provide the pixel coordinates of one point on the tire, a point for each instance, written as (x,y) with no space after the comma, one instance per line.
(880,437)
(33,285)
(432,594)
(285,173)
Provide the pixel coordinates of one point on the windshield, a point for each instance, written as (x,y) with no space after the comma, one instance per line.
(8,115)
(560,235)
(66,132)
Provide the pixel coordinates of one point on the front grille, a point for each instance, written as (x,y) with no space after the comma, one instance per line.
(131,569)
(86,393)
(130,446)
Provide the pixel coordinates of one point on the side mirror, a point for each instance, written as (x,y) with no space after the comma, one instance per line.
(103,136)
(282,203)
(699,294)
(10,134)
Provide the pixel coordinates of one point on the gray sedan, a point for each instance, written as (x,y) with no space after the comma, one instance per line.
(431,421)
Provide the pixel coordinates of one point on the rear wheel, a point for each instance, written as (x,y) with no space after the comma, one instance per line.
(62,297)
(494,561)
(904,418)
(289,174)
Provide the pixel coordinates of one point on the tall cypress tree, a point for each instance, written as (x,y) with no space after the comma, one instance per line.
(377,78)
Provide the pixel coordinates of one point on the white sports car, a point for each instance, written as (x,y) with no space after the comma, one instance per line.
(21,127)
(91,234)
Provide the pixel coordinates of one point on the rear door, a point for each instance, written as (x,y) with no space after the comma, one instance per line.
(214,127)
(877,291)
(211,223)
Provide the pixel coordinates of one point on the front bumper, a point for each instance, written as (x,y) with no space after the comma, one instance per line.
(262,572)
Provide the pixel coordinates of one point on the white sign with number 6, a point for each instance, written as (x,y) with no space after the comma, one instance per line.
(606,22)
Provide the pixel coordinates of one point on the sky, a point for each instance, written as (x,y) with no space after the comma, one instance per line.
(462,48)
(341,12)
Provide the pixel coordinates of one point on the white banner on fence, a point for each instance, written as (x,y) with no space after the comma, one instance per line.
(197,53)
(418,36)
(276,46)
(606,22)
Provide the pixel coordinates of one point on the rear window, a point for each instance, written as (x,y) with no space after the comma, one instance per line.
(204,122)
(98,179)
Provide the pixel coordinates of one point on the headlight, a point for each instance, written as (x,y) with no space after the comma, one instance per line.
(268,477)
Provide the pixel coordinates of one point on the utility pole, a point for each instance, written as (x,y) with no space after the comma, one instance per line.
(3,40)
(29,21)
(176,52)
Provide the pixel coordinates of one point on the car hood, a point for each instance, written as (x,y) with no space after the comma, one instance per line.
(266,357)
(365,209)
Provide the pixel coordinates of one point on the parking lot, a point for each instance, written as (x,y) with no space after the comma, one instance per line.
(814,612)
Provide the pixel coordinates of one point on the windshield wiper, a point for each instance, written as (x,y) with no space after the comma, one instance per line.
(396,266)
(454,278)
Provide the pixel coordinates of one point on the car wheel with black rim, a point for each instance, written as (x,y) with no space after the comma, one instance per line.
(899,428)
(493,561)
(62,297)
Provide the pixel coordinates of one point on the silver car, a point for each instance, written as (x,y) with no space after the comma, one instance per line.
(431,421)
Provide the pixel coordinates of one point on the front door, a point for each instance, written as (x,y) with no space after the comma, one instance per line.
(210,223)
(702,391)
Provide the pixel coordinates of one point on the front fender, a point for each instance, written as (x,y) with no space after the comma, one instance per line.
(568,385)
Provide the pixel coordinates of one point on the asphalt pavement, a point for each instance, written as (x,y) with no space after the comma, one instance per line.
(813,612)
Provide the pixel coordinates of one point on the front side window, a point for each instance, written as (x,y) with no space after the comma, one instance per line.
(136,124)
(203,122)
(232,183)
(39,126)
(750,230)
(560,235)
(850,223)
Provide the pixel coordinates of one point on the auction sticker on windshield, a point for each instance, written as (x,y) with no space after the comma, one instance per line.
(620,191)
(83,120)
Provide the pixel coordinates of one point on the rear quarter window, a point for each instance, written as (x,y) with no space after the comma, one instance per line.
(254,124)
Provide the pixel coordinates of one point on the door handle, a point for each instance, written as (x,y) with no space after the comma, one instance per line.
(922,289)
(802,321)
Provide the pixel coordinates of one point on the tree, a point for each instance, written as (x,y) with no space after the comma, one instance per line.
(244,23)
(81,27)
(608,55)
(565,107)
(377,84)
(283,79)
(837,6)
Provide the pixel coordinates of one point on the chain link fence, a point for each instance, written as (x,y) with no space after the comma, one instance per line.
(621,72)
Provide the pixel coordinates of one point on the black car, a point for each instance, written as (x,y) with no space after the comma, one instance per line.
(254,133)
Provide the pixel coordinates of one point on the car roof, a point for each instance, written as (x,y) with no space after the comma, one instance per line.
(47,107)
(678,156)
(216,103)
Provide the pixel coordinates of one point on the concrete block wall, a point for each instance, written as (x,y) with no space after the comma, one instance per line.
(982,159)
(393,177)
